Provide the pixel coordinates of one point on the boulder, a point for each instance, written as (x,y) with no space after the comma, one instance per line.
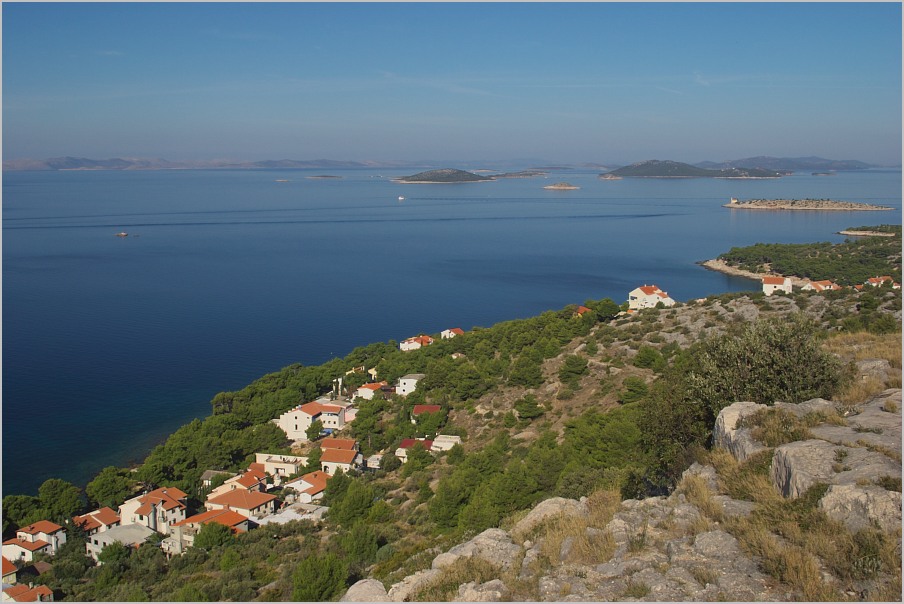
(366,590)
(404,590)
(800,465)
(877,369)
(737,440)
(549,508)
(859,507)
(493,545)
(491,591)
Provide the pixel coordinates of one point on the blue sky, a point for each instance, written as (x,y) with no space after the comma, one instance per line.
(582,82)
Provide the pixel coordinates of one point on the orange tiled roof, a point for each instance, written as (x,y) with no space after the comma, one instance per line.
(41,526)
(338,443)
(24,593)
(317,480)
(96,519)
(407,443)
(773,280)
(224,517)
(8,567)
(314,409)
(649,289)
(457,331)
(338,455)
(31,546)
(374,386)
(168,497)
(243,500)
(259,468)
(248,480)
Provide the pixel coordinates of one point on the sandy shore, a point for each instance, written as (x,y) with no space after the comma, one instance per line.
(722,267)
(866,234)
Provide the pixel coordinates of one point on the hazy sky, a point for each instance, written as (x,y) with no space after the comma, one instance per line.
(595,82)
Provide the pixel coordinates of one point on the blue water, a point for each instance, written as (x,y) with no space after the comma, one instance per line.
(110,344)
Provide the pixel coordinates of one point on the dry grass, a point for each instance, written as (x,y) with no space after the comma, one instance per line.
(586,547)
(697,493)
(749,480)
(464,570)
(859,346)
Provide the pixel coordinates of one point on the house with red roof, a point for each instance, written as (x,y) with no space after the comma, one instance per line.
(415,342)
(348,444)
(580,311)
(776,284)
(877,281)
(251,480)
(648,296)
(346,460)
(419,410)
(28,593)
(367,391)
(182,534)
(156,510)
(40,537)
(97,521)
(296,421)
(820,286)
(310,487)
(406,444)
(10,571)
(451,333)
(279,466)
(251,504)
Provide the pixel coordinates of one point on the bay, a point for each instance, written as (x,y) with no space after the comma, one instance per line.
(110,344)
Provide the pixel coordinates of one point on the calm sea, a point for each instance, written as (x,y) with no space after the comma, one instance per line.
(110,344)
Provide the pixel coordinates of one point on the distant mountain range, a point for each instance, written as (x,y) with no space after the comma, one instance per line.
(774,164)
(655,168)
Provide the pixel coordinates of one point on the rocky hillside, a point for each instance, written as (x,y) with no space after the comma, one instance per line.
(798,502)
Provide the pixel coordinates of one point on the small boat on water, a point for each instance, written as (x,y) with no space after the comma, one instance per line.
(123,234)
(282,180)
(401,198)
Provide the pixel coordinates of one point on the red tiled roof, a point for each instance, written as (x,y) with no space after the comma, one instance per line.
(422,340)
(315,409)
(31,546)
(96,519)
(168,497)
(338,443)
(41,526)
(649,289)
(457,331)
(8,567)
(317,480)
(878,280)
(582,309)
(243,500)
(248,480)
(24,593)
(224,517)
(338,455)
(773,280)
(374,386)
(259,468)
(418,409)
(409,442)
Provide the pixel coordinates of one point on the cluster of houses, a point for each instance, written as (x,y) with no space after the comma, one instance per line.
(239,502)
(783,284)
(420,341)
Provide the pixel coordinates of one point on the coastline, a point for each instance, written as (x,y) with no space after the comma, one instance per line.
(817,205)
(865,233)
(720,266)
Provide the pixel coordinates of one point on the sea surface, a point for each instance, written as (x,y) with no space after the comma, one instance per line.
(110,344)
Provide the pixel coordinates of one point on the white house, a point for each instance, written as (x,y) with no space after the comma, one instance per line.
(251,504)
(820,286)
(877,281)
(280,466)
(451,333)
(40,537)
(130,535)
(444,442)
(407,443)
(367,391)
(9,572)
(156,510)
(415,342)
(295,422)
(252,480)
(98,521)
(408,383)
(310,487)
(774,284)
(346,460)
(183,533)
(648,296)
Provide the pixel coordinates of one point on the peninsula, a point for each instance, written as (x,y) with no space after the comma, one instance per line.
(443,176)
(801,204)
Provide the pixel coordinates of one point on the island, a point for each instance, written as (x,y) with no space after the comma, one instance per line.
(443,176)
(322,176)
(801,204)
(562,186)
(610,176)
(655,168)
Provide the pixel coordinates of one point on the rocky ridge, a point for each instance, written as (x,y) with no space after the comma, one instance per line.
(682,547)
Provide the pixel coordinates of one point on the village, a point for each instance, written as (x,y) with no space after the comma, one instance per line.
(245,500)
